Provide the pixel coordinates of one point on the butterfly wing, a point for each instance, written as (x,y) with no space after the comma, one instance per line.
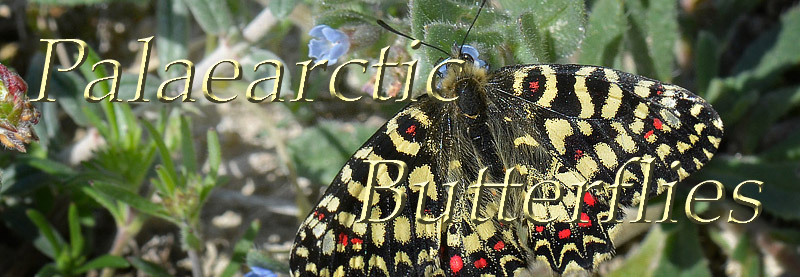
(584,123)
(331,243)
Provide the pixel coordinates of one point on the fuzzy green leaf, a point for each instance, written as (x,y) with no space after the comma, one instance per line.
(652,35)
(605,33)
(560,28)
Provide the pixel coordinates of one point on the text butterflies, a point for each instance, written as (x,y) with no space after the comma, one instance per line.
(567,124)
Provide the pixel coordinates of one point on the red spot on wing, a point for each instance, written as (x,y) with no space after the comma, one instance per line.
(588,199)
(481,263)
(564,234)
(584,217)
(534,86)
(343,239)
(539,229)
(356,241)
(648,134)
(319,215)
(499,245)
(578,154)
(412,130)
(456,263)
(657,123)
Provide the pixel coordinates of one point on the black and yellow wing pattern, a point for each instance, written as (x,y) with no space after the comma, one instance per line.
(564,124)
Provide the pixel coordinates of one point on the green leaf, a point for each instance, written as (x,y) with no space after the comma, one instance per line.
(653,34)
(748,257)
(341,17)
(188,155)
(214,153)
(172,33)
(321,146)
(706,60)
(765,113)
(47,230)
(560,27)
(787,149)
(282,8)
(75,235)
(532,47)
(149,268)
(772,53)
(681,255)
(780,189)
(132,199)
(47,271)
(240,250)
(605,33)
(166,158)
(103,262)
(49,166)
(212,15)
(641,262)
(166,185)
(106,202)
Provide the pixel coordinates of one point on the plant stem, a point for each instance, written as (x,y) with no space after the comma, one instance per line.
(197,267)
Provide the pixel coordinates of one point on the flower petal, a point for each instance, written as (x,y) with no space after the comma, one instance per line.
(334,35)
(317,31)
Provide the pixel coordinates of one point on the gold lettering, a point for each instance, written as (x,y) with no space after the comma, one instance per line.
(332,87)
(689,199)
(433,74)
(142,71)
(237,70)
(87,93)
(43,95)
(746,201)
(399,195)
(529,212)
(187,87)
(422,219)
(276,87)
(304,76)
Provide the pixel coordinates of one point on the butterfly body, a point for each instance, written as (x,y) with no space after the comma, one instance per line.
(566,124)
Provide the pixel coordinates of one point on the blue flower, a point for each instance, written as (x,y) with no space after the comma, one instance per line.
(260,272)
(327,44)
(470,51)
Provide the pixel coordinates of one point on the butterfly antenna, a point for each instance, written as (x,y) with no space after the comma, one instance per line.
(470,27)
(393,30)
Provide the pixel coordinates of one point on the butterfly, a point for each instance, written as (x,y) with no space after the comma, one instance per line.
(560,123)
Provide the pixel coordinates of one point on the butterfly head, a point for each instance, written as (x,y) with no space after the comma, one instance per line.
(467,81)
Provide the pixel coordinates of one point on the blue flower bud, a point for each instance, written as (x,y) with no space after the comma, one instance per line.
(260,272)
(327,44)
